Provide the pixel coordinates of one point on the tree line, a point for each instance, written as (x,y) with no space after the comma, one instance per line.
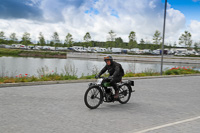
(112,40)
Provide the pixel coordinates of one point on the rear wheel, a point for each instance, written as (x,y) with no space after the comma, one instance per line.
(124,94)
(93,97)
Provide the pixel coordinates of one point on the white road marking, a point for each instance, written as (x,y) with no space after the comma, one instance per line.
(166,125)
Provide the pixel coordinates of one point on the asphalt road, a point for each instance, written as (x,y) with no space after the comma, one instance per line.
(160,105)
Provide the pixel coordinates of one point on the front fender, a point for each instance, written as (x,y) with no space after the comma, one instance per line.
(94,85)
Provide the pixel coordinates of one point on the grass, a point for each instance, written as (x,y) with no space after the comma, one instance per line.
(20,52)
(172,71)
(53,76)
(12,52)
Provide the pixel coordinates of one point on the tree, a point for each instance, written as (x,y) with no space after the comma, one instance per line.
(132,40)
(55,39)
(156,38)
(13,38)
(118,42)
(175,44)
(170,46)
(185,39)
(51,43)
(111,36)
(41,39)
(142,41)
(111,39)
(132,36)
(68,40)
(2,37)
(87,37)
(26,38)
(196,46)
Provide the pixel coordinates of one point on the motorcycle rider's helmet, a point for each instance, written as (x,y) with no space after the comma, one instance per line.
(109,57)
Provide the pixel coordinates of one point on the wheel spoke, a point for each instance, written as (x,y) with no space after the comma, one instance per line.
(98,98)
(96,93)
(93,98)
(124,94)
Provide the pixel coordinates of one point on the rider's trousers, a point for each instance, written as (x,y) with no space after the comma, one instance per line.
(114,81)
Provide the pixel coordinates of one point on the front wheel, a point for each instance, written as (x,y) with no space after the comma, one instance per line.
(93,97)
(124,93)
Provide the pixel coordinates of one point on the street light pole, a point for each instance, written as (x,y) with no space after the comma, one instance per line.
(163,39)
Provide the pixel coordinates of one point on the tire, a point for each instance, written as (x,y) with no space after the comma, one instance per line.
(124,93)
(93,97)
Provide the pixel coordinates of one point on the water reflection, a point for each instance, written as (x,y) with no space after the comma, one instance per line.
(12,66)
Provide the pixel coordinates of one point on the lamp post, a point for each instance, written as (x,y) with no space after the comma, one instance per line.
(163,39)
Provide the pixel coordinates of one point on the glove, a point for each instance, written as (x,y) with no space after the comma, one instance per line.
(97,76)
(110,77)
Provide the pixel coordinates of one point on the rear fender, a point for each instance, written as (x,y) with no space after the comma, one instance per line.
(129,83)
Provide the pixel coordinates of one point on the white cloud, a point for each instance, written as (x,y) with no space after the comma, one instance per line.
(194,30)
(52,10)
(144,17)
(152,5)
(175,23)
(20,26)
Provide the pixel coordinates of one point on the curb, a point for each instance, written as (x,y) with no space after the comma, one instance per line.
(86,80)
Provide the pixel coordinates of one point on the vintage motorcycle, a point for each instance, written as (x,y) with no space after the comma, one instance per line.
(101,91)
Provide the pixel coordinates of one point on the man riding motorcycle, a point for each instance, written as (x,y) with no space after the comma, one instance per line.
(115,71)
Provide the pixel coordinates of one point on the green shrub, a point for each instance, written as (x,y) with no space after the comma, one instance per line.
(88,76)
(129,74)
(150,72)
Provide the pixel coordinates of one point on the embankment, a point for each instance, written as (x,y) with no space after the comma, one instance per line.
(142,58)
(30,53)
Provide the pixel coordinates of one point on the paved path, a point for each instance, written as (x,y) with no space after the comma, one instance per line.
(161,105)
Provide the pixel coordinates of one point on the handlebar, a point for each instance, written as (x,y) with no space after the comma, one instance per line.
(103,77)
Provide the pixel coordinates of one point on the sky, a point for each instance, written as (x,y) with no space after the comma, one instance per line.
(98,17)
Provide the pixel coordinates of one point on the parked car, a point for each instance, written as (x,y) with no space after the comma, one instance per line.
(2,45)
(180,53)
(135,50)
(116,50)
(156,52)
(22,46)
(46,47)
(52,48)
(8,46)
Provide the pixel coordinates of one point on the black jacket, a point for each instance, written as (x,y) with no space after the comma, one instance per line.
(114,70)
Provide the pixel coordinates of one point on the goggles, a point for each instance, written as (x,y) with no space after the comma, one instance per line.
(107,58)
